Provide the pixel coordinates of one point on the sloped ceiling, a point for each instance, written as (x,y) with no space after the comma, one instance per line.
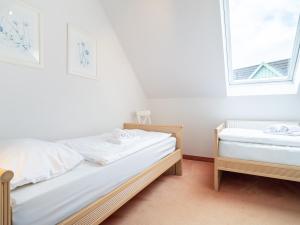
(174,46)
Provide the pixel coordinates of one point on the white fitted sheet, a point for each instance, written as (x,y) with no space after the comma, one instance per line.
(258,137)
(260,152)
(50,202)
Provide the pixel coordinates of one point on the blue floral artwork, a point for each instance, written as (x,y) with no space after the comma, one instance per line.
(15,34)
(20,41)
(84,54)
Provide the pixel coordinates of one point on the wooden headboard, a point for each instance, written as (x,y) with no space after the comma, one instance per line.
(175,130)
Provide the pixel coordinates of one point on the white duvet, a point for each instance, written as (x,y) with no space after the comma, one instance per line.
(102,150)
(258,137)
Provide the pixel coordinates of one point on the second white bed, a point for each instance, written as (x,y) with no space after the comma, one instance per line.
(52,201)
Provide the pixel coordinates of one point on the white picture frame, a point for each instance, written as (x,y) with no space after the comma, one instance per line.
(81,53)
(20,34)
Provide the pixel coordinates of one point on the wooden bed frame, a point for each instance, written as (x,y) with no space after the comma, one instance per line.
(273,170)
(103,207)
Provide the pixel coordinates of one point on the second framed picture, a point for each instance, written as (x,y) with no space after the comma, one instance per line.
(82,53)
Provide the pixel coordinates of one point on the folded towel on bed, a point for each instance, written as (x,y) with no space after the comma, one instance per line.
(120,136)
(283,129)
(99,149)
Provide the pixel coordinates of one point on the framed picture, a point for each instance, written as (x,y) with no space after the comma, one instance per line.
(82,53)
(20,34)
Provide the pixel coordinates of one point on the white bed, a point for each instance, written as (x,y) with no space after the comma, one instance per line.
(248,147)
(257,145)
(35,204)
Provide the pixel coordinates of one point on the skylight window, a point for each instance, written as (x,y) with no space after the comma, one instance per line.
(261,40)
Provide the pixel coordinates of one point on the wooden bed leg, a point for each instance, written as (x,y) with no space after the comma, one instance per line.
(170,171)
(178,168)
(217,179)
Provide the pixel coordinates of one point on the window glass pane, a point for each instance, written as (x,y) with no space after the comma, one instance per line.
(262,35)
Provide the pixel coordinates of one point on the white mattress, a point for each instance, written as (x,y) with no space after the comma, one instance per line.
(49,202)
(258,137)
(261,152)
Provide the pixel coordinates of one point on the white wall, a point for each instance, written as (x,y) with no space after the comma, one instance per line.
(48,102)
(175,46)
(201,115)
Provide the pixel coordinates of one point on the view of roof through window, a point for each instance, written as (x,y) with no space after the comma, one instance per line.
(262,38)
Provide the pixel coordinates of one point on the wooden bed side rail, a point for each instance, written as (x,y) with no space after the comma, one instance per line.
(175,130)
(5,211)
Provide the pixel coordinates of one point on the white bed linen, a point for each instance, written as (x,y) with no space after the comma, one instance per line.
(99,149)
(49,202)
(260,152)
(258,137)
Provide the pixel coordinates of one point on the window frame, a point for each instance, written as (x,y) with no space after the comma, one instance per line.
(294,60)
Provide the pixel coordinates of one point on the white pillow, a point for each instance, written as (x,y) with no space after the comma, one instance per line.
(33,160)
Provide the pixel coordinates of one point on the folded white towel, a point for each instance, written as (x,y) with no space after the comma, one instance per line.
(277,129)
(120,136)
(294,129)
(283,129)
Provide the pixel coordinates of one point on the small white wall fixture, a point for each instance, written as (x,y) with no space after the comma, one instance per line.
(144,117)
